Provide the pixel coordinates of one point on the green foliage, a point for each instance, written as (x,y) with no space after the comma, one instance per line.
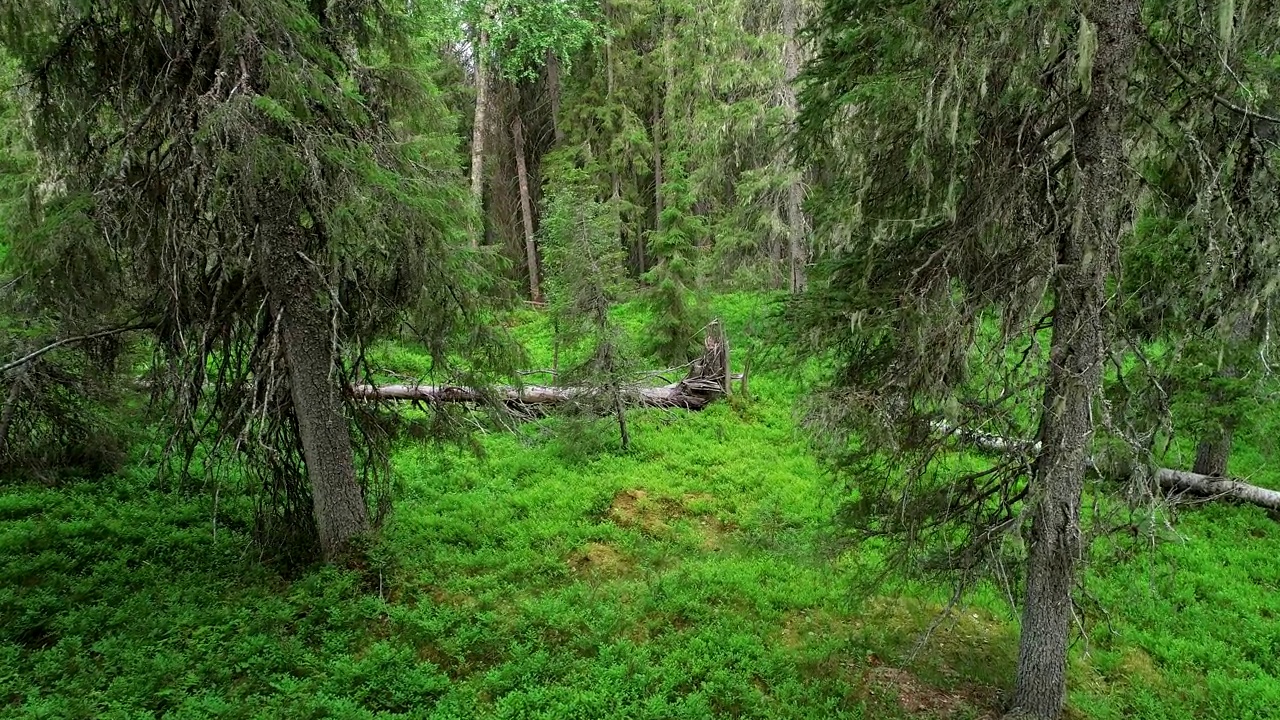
(692,577)
(524,34)
(675,312)
(586,276)
(296,140)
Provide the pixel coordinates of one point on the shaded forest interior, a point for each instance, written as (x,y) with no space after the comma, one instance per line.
(639,358)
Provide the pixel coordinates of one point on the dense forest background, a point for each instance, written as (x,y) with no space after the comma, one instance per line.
(640,358)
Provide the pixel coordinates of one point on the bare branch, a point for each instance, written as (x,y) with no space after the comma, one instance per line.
(70,341)
(1224,102)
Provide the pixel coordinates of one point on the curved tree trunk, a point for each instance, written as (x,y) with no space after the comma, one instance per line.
(1075,376)
(306,331)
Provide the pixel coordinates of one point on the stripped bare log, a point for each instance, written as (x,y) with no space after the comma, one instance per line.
(1177,481)
(708,380)
(669,396)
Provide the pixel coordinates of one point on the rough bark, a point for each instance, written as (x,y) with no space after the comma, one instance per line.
(1213,453)
(797,223)
(296,291)
(526,212)
(1085,256)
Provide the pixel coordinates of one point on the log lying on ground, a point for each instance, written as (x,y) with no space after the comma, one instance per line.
(708,380)
(667,396)
(1176,481)
(1204,485)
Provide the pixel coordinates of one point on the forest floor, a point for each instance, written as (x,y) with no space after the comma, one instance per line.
(552,576)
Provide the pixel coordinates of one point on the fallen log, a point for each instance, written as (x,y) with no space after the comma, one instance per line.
(708,379)
(668,396)
(1177,481)
(1206,486)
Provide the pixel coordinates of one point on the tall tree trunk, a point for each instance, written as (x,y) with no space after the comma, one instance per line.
(1085,258)
(306,330)
(478,129)
(797,223)
(657,164)
(555,89)
(526,211)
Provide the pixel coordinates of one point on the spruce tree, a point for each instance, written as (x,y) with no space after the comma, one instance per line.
(972,157)
(268,185)
(586,278)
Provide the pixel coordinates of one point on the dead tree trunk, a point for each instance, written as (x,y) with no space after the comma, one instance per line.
(478,128)
(306,328)
(797,223)
(1075,373)
(526,211)
(707,381)
(1173,481)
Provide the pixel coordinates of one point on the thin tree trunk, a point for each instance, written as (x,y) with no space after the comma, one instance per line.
(797,223)
(660,133)
(526,210)
(657,164)
(478,129)
(554,87)
(306,329)
(8,409)
(1085,256)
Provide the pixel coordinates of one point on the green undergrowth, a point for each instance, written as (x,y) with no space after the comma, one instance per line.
(552,576)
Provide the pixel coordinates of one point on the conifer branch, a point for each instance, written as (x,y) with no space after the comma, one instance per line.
(1219,99)
(36,354)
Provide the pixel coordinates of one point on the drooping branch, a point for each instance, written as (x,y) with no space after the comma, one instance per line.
(1224,102)
(36,354)
(1168,479)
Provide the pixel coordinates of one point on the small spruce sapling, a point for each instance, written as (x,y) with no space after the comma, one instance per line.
(585,277)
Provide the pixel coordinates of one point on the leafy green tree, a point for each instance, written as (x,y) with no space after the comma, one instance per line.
(268,186)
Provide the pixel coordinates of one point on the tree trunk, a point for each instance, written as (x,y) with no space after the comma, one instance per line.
(526,211)
(677,396)
(8,409)
(478,128)
(1085,256)
(797,223)
(657,166)
(1213,453)
(660,133)
(306,330)
(554,88)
